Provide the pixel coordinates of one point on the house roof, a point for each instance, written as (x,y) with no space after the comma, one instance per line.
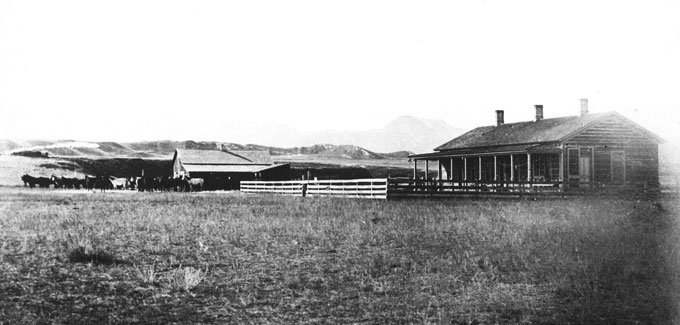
(219,157)
(532,132)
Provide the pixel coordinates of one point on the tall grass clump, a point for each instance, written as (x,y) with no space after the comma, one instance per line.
(147,274)
(80,245)
(186,278)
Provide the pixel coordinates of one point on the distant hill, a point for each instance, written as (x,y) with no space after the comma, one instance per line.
(406,133)
(165,149)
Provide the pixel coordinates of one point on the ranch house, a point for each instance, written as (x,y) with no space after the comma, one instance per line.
(586,151)
(224,170)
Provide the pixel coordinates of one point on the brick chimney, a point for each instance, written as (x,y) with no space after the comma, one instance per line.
(499,117)
(584,106)
(539,112)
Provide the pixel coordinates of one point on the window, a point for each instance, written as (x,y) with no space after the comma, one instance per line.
(573,161)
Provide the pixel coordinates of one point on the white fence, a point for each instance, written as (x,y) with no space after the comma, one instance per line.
(371,188)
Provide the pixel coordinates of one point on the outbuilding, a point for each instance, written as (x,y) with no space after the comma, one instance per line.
(585,151)
(224,170)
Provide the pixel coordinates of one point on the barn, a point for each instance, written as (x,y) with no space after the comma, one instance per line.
(590,150)
(224,170)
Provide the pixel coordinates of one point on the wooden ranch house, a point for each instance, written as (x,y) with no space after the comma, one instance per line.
(224,170)
(585,151)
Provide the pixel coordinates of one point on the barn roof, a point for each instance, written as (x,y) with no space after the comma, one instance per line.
(227,168)
(532,132)
(219,157)
(258,157)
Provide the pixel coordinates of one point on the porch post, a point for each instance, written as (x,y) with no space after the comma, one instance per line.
(561,177)
(465,168)
(495,168)
(451,173)
(427,169)
(512,169)
(529,167)
(415,169)
(479,170)
(439,169)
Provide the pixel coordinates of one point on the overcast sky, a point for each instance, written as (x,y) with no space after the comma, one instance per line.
(143,70)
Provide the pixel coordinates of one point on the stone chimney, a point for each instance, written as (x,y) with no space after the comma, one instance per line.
(539,112)
(499,117)
(584,106)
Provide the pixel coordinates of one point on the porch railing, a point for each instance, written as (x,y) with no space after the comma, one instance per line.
(398,186)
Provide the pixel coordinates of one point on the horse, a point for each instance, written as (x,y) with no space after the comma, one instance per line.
(70,182)
(90,182)
(56,181)
(81,183)
(194,183)
(64,182)
(31,181)
(104,183)
(119,183)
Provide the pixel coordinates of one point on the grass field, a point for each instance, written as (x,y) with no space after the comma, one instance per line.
(84,257)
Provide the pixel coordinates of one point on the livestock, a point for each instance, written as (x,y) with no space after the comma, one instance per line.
(55,181)
(31,181)
(104,183)
(194,183)
(119,183)
(65,182)
(148,184)
(90,182)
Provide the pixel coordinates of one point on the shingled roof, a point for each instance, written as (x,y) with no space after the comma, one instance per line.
(219,157)
(532,132)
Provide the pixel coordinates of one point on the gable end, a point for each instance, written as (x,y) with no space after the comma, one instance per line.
(613,129)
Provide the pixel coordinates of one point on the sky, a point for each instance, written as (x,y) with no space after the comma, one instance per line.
(151,70)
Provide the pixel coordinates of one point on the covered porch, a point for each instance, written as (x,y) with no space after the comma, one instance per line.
(509,169)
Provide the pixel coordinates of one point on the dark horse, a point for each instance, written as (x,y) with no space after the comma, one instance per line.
(90,182)
(31,181)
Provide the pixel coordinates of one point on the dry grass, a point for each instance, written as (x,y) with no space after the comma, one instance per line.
(309,260)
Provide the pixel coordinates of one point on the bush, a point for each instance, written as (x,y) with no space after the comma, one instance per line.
(185,279)
(80,248)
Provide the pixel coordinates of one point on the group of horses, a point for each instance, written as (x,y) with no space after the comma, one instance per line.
(103,182)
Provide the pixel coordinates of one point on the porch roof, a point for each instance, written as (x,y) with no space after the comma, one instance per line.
(493,150)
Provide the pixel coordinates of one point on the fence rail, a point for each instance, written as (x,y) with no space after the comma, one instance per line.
(371,188)
(411,187)
(397,186)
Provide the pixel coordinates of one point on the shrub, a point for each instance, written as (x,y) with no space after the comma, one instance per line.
(147,274)
(186,278)
(80,248)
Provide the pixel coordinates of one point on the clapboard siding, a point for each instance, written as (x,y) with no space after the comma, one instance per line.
(640,153)
(611,132)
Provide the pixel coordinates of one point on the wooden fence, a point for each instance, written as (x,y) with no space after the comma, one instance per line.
(372,188)
(410,187)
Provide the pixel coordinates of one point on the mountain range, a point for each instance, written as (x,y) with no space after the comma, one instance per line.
(405,133)
(398,139)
